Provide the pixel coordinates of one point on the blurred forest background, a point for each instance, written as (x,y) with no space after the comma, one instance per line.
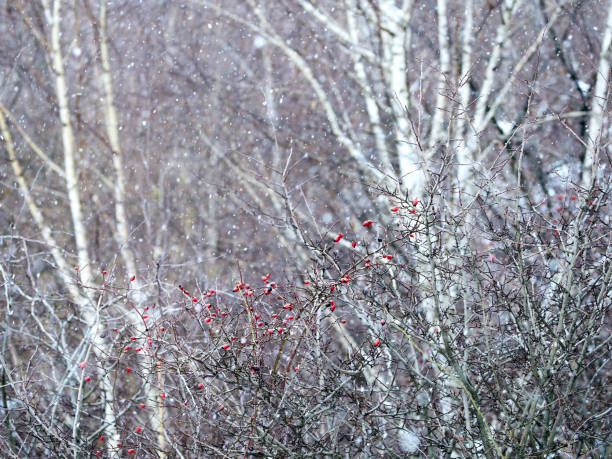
(150,144)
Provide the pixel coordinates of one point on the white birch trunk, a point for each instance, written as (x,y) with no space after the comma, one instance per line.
(91,312)
(122,227)
(596,127)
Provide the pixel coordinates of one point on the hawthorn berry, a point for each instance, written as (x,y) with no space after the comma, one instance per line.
(132,278)
(338,237)
(394,209)
(367,223)
(415,201)
(376,342)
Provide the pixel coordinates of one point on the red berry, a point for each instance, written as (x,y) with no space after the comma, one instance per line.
(133,338)
(132,278)
(338,237)
(126,348)
(138,429)
(376,342)
(144,316)
(354,243)
(101,438)
(415,201)
(82,364)
(411,210)
(367,223)
(162,395)
(128,369)
(104,273)
(115,329)
(200,385)
(226,346)
(573,197)
(208,319)
(306,282)
(98,453)
(88,378)
(130,451)
(142,405)
(279,329)
(194,299)
(394,209)
(382,322)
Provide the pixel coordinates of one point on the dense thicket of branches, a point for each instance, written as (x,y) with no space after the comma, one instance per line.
(299,228)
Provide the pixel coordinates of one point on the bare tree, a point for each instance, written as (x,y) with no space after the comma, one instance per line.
(389,222)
